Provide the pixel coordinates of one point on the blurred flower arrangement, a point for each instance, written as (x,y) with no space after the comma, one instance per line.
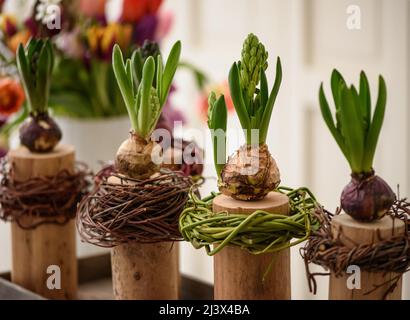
(83,83)
(83,33)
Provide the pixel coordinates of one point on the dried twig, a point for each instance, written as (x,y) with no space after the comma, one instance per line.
(42,200)
(144,211)
(390,255)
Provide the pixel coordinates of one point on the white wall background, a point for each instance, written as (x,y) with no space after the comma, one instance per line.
(311,38)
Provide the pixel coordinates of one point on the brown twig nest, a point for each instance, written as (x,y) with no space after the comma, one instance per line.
(42,200)
(250,174)
(123,209)
(390,255)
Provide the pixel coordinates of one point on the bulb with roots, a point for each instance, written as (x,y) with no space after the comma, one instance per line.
(138,158)
(250,174)
(367,197)
(40,133)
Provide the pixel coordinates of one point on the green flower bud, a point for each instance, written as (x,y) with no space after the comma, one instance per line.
(211,104)
(155,105)
(245,79)
(254,56)
(255,77)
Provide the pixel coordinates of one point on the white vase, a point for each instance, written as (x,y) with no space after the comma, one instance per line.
(96,140)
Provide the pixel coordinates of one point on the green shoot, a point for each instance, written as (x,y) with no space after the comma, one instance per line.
(35,65)
(217,123)
(356,132)
(249,89)
(145,86)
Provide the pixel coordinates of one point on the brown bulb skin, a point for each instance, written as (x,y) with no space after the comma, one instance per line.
(135,158)
(250,173)
(367,197)
(40,133)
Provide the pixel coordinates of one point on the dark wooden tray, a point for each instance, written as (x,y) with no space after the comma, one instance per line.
(94,276)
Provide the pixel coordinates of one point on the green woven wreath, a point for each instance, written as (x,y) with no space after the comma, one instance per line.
(259,232)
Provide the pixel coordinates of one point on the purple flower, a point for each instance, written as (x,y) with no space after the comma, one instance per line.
(3,152)
(3,121)
(145,29)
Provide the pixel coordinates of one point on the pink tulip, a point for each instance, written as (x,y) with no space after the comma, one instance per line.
(165,21)
(93,8)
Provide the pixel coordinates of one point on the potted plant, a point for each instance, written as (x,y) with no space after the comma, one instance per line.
(83,92)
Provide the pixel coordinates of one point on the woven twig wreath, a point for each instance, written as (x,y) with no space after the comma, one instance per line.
(391,255)
(143,211)
(49,200)
(259,232)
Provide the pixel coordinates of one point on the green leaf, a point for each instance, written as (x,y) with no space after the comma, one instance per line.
(25,75)
(49,48)
(264,126)
(160,73)
(169,71)
(137,107)
(124,84)
(264,90)
(237,99)
(218,123)
(365,101)
(145,114)
(33,46)
(358,108)
(327,117)
(137,64)
(259,116)
(375,127)
(336,83)
(128,71)
(220,114)
(352,129)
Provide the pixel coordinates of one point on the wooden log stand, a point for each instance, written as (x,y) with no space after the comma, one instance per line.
(238,274)
(354,232)
(34,250)
(145,271)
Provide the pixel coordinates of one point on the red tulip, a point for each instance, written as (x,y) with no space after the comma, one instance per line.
(11,96)
(134,10)
(153,6)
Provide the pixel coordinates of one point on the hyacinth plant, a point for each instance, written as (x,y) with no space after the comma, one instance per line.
(356,130)
(251,173)
(39,133)
(144,86)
